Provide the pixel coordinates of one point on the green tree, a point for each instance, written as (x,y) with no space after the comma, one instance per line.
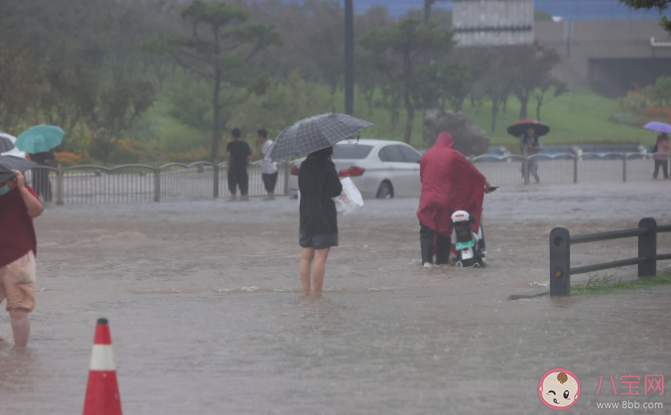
(534,64)
(70,91)
(218,49)
(120,107)
(284,101)
(548,84)
(19,84)
(498,83)
(660,5)
(400,49)
(391,100)
(442,82)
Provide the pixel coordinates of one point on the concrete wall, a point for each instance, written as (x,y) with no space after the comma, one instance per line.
(607,55)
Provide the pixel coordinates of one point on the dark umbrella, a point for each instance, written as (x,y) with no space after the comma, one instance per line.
(5,144)
(521,127)
(9,163)
(313,134)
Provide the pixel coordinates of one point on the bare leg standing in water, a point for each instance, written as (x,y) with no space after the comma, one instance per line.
(317,280)
(319,270)
(20,326)
(307,255)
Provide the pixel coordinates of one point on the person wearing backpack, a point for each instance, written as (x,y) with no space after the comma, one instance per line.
(661,155)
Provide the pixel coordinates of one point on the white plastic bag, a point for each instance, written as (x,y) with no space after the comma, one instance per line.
(350,199)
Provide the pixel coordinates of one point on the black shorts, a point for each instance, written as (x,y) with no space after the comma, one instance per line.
(238,178)
(318,241)
(269,180)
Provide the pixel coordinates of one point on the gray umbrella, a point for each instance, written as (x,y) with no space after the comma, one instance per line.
(313,134)
(5,144)
(9,163)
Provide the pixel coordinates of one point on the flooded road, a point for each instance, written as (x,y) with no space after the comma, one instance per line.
(207,314)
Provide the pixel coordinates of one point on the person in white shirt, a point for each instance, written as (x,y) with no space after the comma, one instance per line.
(269,168)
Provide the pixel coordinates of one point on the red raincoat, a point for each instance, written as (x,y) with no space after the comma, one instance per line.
(449,183)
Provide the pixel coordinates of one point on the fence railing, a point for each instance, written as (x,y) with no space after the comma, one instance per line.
(87,184)
(560,253)
(177,181)
(566,168)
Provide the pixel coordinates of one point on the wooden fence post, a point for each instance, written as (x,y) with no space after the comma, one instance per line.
(560,262)
(624,167)
(647,247)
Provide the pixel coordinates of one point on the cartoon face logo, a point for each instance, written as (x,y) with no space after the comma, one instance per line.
(559,389)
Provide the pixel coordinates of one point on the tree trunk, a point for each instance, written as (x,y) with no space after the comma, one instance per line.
(216,127)
(495,112)
(538,109)
(408,75)
(524,107)
(411,118)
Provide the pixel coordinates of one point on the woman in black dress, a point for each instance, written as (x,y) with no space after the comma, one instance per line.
(318,183)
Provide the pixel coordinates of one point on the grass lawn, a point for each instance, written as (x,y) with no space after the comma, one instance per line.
(579,116)
(608,284)
(174,135)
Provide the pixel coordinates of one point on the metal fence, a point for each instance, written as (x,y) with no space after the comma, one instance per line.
(561,241)
(88,184)
(567,168)
(201,180)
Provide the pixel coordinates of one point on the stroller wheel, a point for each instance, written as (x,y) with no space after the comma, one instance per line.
(459,264)
(476,265)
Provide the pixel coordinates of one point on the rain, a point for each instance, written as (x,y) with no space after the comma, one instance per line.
(171,170)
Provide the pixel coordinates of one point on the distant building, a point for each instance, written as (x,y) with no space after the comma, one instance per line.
(609,57)
(493,22)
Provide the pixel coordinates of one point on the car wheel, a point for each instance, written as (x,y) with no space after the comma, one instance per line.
(385,191)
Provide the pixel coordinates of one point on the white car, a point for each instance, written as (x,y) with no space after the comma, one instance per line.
(378,168)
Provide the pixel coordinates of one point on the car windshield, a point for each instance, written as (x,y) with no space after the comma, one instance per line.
(351,151)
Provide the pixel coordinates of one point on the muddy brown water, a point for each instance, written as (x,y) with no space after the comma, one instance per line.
(207,314)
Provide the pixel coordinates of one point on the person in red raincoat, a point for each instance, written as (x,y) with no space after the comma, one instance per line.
(449,183)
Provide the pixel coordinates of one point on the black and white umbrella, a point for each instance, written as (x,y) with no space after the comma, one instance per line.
(9,163)
(6,144)
(314,134)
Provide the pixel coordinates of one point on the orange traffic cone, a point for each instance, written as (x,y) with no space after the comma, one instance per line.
(102,392)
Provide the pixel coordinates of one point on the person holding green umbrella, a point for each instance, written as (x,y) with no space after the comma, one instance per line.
(40,141)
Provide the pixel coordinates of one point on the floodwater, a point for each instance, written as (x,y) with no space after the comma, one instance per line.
(207,313)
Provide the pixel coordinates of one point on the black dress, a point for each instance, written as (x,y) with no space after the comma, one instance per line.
(318,183)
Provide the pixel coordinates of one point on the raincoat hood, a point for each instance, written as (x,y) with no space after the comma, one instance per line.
(444,140)
(449,183)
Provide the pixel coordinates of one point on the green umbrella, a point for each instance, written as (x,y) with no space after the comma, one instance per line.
(39,139)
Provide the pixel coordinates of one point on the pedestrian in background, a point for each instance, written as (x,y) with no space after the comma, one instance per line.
(318,183)
(238,155)
(19,204)
(661,147)
(269,168)
(530,145)
(41,176)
